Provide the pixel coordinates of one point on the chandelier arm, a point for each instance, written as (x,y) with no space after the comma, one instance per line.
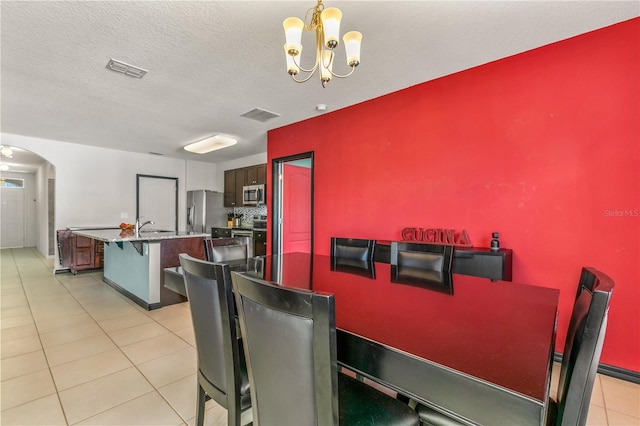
(353,68)
(293,77)
(311,70)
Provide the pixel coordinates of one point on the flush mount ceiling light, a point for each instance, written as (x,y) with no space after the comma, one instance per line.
(326,24)
(210,144)
(6,151)
(126,69)
(4,167)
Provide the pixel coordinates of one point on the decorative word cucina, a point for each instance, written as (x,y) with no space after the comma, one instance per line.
(437,235)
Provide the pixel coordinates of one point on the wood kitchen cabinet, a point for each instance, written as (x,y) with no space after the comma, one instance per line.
(236,179)
(257,174)
(220,232)
(79,253)
(259,243)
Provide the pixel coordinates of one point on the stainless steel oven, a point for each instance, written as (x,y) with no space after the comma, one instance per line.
(241,233)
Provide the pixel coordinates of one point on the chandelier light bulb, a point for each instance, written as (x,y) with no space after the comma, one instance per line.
(331,18)
(352,41)
(293,35)
(292,67)
(326,64)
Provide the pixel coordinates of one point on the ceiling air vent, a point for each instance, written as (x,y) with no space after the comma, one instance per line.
(126,69)
(260,115)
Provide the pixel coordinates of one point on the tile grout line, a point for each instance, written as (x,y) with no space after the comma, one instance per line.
(55,386)
(127,357)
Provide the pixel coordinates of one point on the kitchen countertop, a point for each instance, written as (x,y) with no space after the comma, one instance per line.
(116,235)
(244,228)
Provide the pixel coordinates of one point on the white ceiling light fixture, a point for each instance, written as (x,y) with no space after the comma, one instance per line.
(326,24)
(6,151)
(210,144)
(4,167)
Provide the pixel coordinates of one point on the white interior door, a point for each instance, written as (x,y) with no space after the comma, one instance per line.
(12,217)
(157,201)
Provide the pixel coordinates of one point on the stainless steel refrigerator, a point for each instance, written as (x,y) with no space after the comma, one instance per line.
(205,209)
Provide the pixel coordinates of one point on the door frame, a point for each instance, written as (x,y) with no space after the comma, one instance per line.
(276,198)
(138,176)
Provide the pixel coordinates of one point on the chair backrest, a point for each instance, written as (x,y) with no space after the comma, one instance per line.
(422,261)
(290,347)
(583,346)
(227,249)
(210,295)
(348,251)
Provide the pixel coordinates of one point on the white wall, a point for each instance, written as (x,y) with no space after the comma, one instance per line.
(42,208)
(95,185)
(202,175)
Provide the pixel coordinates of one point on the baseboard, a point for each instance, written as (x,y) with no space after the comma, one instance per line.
(136,299)
(611,371)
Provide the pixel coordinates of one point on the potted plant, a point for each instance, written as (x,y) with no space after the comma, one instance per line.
(230,217)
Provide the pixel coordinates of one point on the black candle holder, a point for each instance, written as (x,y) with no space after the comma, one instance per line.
(495,244)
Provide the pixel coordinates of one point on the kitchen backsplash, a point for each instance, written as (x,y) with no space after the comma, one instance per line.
(248,213)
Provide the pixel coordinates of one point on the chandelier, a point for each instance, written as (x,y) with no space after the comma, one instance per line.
(326,24)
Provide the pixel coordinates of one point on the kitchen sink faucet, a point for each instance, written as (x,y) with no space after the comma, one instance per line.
(139,226)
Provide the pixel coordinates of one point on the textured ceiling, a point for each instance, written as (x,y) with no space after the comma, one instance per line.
(209,62)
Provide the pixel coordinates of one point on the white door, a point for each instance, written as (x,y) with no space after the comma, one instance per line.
(12,217)
(157,201)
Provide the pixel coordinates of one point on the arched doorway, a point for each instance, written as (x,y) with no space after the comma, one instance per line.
(27,182)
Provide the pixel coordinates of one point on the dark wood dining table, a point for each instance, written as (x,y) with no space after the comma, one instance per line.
(478,350)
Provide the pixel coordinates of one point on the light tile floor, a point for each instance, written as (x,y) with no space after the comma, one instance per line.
(76,352)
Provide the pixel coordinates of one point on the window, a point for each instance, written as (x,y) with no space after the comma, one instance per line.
(11,183)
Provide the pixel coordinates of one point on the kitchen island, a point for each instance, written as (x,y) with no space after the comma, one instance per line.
(134,263)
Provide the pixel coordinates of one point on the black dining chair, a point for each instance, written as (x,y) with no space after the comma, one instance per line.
(582,350)
(227,249)
(420,261)
(290,347)
(345,250)
(222,372)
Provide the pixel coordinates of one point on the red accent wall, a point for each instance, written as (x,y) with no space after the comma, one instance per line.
(542,147)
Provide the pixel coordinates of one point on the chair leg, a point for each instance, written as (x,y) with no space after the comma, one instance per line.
(201,398)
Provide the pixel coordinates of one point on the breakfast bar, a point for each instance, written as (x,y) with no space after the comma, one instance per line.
(134,263)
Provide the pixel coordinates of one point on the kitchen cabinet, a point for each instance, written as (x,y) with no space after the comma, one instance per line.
(259,243)
(221,232)
(79,253)
(236,179)
(257,174)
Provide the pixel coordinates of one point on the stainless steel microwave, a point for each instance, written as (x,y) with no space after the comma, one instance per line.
(253,195)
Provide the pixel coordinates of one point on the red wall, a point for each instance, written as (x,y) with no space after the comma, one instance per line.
(542,147)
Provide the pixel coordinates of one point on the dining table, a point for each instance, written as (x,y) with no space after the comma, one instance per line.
(475,349)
